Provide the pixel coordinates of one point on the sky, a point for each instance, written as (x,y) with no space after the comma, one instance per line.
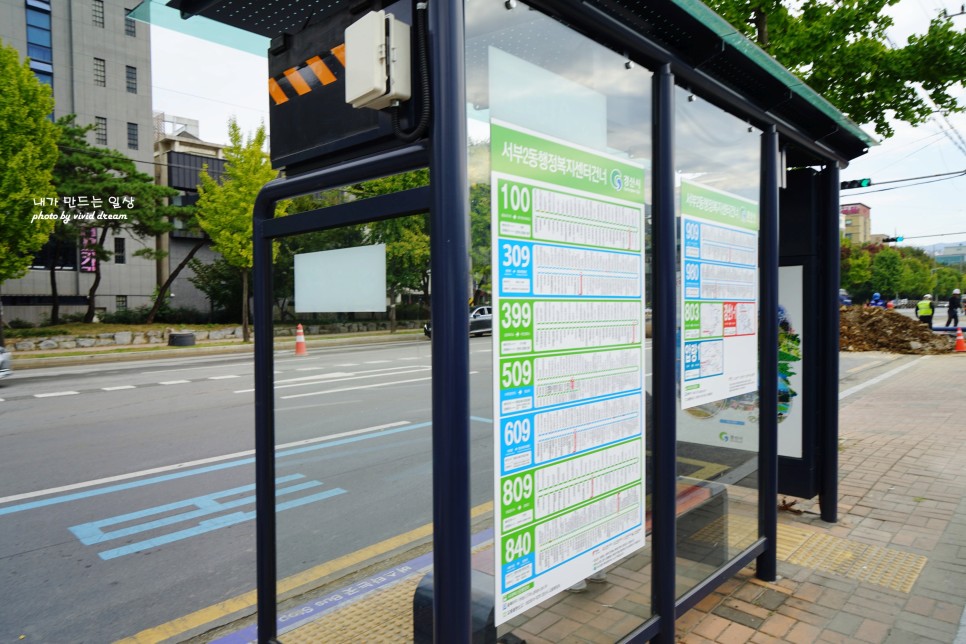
(225,82)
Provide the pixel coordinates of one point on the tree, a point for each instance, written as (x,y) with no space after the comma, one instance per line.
(856,271)
(406,238)
(917,277)
(28,149)
(480,242)
(887,271)
(946,280)
(129,199)
(224,209)
(840,49)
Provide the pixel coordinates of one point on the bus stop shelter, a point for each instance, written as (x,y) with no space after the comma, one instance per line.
(663,249)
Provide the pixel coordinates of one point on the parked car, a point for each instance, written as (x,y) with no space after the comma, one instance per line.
(6,362)
(481,322)
(844,298)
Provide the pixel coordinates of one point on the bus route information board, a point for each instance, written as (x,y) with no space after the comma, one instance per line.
(568,334)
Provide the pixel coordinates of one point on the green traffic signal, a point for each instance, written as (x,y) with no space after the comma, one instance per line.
(855,183)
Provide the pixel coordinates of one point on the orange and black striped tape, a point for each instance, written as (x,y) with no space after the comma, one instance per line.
(316,72)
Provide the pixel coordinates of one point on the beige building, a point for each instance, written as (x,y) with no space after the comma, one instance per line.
(857,218)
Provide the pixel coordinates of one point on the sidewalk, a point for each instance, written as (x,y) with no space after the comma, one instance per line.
(893,569)
(897,566)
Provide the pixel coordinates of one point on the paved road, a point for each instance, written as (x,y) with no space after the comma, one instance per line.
(126,489)
(127,496)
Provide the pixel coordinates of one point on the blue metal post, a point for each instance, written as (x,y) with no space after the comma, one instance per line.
(828,416)
(663,354)
(768,355)
(265,561)
(450,318)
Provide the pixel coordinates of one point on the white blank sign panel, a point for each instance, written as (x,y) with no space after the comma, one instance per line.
(344,280)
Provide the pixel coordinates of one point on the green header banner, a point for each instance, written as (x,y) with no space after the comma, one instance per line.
(706,203)
(522,154)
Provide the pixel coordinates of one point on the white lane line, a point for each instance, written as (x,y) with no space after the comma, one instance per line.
(868,383)
(222,377)
(174,382)
(410,358)
(336,391)
(57,393)
(334,374)
(377,361)
(314,380)
(118,388)
(203,461)
(348,364)
(311,368)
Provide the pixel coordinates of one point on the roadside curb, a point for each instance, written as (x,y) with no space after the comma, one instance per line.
(111,354)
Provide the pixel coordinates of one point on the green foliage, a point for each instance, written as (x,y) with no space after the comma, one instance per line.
(224,210)
(480,243)
(856,272)
(406,238)
(946,280)
(917,277)
(839,48)
(28,151)
(222,285)
(887,272)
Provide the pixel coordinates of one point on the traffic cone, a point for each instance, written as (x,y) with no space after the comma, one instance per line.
(299,342)
(960,343)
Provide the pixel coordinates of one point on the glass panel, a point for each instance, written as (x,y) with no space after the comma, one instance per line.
(38,19)
(38,36)
(39,54)
(569,108)
(353,422)
(717,163)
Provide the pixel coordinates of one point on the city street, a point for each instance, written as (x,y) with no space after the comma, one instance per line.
(127,488)
(128,497)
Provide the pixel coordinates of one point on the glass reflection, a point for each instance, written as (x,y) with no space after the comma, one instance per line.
(718,175)
(531,73)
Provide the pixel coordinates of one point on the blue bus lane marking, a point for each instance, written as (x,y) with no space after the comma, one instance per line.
(99,532)
(129,485)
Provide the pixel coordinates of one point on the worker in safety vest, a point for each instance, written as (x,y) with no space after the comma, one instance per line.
(924,310)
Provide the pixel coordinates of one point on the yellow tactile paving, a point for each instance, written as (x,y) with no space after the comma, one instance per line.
(384,616)
(887,567)
(877,565)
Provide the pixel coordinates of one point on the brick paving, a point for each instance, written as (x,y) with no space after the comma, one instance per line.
(902,473)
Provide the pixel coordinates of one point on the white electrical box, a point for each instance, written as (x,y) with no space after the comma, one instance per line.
(377,68)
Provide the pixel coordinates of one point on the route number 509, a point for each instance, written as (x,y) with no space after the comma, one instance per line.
(516,373)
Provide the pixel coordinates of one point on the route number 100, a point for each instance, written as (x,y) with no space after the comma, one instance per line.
(515,197)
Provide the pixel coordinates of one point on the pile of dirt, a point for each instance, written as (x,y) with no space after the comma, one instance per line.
(875,329)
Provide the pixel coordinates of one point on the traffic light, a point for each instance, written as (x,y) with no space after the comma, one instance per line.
(855,183)
(893,239)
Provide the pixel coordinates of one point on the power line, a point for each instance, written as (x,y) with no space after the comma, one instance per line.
(934,178)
